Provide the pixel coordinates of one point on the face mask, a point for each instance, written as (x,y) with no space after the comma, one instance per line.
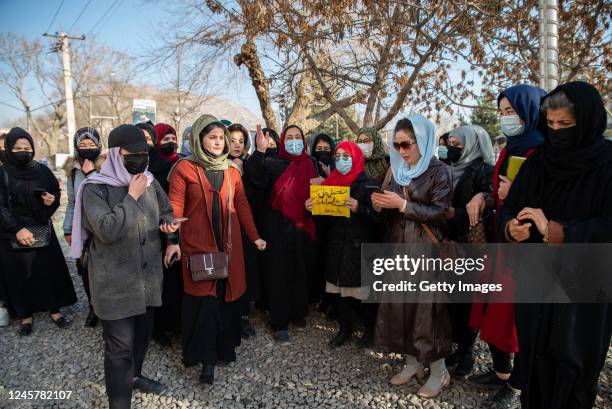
(168,148)
(442,152)
(511,125)
(344,165)
(23,158)
(136,163)
(2,155)
(322,156)
(454,153)
(89,154)
(563,138)
(271,151)
(294,147)
(366,148)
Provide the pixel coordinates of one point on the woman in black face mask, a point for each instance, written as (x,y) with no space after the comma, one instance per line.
(29,196)
(86,161)
(563,194)
(322,150)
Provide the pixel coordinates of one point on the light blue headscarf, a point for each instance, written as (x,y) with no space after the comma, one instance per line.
(425,133)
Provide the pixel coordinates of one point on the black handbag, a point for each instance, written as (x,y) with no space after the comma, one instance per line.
(215,265)
(41,232)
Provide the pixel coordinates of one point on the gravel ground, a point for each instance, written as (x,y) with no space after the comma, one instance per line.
(305,373)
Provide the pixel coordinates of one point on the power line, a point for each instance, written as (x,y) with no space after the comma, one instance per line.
(55,16)
(110,15)
(79,16)
(102,18)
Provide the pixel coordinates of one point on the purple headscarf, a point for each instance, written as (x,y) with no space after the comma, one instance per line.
(112,173)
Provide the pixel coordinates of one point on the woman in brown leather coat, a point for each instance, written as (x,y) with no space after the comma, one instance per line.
(418,192)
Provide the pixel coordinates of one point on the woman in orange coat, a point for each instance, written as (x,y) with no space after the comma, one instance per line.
(199,187)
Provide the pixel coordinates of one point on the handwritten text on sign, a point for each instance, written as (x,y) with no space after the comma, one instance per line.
(330,200)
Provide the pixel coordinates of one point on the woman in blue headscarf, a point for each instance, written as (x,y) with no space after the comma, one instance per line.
(417,195)
(519,112)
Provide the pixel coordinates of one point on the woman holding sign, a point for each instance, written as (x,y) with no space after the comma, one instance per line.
(343,237)
(417,195)
(289,228)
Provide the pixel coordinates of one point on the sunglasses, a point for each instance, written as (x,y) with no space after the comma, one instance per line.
(404,145)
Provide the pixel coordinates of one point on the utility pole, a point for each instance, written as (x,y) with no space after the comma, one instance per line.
(69,96)
(549,39)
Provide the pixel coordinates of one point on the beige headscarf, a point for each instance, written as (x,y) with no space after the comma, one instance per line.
(199,156)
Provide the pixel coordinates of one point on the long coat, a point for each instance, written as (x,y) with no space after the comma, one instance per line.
(188,200)
(421,330)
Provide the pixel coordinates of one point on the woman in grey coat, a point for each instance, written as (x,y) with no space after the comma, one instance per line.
(123,209)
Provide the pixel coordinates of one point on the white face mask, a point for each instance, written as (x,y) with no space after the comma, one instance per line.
(366,148)
(511,125)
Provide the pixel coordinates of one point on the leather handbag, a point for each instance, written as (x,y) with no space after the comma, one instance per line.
(214,265)
(41,232)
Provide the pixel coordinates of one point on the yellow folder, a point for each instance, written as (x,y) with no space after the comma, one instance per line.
(514,164)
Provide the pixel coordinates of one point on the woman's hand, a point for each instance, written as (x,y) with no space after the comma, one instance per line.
(171,251)
(25,237)
(260,244)
(388,200)
(504,187)
(518,231)
(262,141)
(169,228)
(535,215)
(352,204)
(88,166)
(48,199)
(309,204)
(450,213)
(316,181)
(325,169)
(475,207)
(68,238)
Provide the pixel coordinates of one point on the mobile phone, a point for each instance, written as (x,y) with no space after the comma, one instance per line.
(376,189)
(39,192)
(180,220)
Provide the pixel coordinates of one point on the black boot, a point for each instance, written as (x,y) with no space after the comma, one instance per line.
(92,320)
(208,374)
(341,337)
(463,360)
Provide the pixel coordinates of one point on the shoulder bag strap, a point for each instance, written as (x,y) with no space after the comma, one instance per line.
(229,213)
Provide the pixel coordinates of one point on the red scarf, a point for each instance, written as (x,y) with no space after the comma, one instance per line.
(162,130)
(293,188)
(338,179)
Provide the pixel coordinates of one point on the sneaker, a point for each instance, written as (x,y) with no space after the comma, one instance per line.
(4,317)
(147,385)
(505,398)
(282,337)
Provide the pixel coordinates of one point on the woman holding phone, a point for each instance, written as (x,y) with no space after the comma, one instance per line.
(207,189)
(37,277)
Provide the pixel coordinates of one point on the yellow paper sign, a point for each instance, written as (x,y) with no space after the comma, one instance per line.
(330,200)
(514,165)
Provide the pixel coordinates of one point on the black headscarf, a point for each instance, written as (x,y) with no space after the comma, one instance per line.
(588,151)
(328,157)
(29,171)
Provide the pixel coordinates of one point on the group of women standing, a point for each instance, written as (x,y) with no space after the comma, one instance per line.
(143,218)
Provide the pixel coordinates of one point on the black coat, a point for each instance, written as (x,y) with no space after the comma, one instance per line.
(477,178)
(343,237)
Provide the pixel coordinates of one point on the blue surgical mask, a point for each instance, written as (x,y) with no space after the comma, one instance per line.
(511,125)
(344,166)
(294,146)
(442,152)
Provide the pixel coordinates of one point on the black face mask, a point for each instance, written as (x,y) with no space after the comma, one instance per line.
(454,153)
(564,138)
(2,156)
(136,163)
(23,158)
(168,148)
(271,151)
(322,156)
(89,154)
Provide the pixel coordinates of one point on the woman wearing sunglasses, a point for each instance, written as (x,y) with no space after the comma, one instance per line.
(417,195)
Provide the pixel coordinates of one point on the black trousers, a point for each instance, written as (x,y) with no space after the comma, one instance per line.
(84,273)
(463,334)
(125,346)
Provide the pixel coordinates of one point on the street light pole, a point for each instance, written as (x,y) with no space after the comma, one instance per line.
(548,38)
